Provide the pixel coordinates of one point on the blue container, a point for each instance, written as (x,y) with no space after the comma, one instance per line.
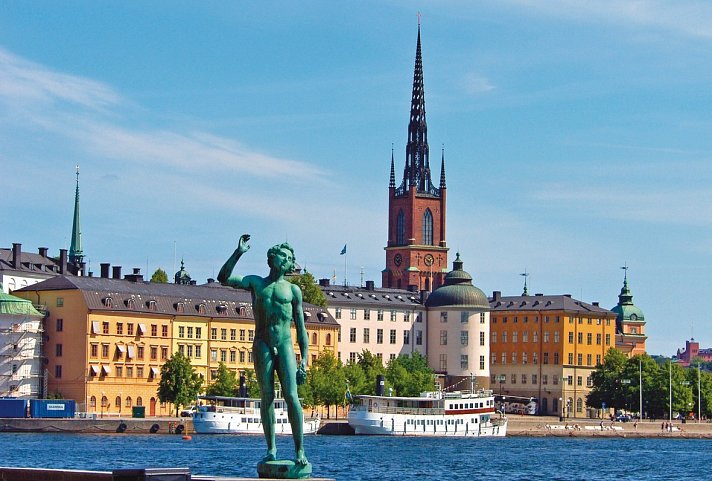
(13,408)
(52,408)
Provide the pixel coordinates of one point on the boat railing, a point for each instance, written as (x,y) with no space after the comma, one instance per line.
(406,410)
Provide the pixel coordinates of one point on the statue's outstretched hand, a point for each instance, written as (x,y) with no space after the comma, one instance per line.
(242,245)
(302,372)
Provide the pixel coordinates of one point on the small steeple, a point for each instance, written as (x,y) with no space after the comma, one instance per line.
(76,255)
(525,274)
(442,169)
(625,297)
(392,182)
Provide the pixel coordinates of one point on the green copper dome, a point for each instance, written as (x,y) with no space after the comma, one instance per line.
(458,291)
(625,309)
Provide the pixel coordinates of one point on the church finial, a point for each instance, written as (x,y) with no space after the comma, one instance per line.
(76,256)
(525,274)
(442,169)
(392,182)
(625,297)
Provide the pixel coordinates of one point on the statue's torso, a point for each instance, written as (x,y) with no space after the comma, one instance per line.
(273,311)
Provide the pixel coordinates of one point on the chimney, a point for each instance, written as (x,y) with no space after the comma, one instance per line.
(82,269)
(595,303)
(211,280)
(116,272)
(370,286)
(567,295)
(324,282)
(16,255)
(63,261)
(424,296)
(539,294)
(42,251)
(412,288)
(496,295)
(135,276)
(104,270)
(193,282)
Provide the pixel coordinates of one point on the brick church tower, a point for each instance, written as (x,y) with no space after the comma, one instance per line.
(416,254)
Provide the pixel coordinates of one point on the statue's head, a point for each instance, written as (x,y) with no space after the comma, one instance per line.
(283,252)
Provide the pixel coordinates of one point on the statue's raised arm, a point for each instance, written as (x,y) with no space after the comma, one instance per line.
(224,277)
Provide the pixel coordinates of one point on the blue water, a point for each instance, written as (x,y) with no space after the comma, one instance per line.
(376,458)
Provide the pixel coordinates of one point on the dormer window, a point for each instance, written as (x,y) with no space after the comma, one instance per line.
(200,308)
(151,305)
(243,311)
(180,306)
(131,303)
(222,309)
(108,302)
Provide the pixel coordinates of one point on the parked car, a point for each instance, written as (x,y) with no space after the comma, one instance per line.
(624,418)
(187,413)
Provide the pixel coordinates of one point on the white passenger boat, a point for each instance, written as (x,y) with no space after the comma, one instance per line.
(460,413)
(238,415)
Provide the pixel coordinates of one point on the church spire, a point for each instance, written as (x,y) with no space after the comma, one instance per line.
(525,274)
(417,153)
(442,169)
(392,182)
(76,256)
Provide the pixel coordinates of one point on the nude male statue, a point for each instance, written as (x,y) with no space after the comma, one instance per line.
(276,302)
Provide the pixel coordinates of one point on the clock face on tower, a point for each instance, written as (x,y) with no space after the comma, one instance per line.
(398,259)
(429,260)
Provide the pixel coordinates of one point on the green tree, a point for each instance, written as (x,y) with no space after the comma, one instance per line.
(253,387)
(606,381)
(410,375)
(310,290)
(371,366)
(356,379)
(327,381)
(225,384)
(179,384)
(159,276)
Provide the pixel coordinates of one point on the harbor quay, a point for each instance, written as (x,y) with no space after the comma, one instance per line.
(534,426)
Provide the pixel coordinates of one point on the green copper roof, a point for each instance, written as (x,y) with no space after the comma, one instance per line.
(458,291)
(75,248)
(17,306)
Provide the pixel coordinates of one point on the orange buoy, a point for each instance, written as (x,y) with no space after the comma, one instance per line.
(187,438)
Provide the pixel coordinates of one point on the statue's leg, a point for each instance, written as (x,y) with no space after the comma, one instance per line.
(264,371)
(287,370)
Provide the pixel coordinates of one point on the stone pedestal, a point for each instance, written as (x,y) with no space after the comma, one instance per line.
(283,469)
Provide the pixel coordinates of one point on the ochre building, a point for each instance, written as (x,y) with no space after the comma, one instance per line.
(107,338)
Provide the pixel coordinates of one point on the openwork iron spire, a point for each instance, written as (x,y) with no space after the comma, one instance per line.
(76,255)
(392,182)
(417,152)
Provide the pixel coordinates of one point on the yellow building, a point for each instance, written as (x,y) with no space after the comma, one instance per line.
(546,347)
(107,338)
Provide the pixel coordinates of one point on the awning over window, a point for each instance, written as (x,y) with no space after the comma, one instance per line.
(121,348)
(95,327)
(106,370)
(155,372)
(131,352)
(93,370)
(142,329)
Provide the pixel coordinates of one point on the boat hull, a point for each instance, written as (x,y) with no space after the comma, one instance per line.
(394,425)
(229,423)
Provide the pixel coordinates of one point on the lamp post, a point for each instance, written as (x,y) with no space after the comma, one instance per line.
(103,396)
(626,383)
(670,388)
(640,390)
(561,403)
(699,398)
(501,378)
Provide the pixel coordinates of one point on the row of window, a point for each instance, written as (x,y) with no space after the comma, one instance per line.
(393,315)
(465,317)
(393,334)
(547,319)
(117,402)
(524,378)
(129,351)
(504,337)
(464,362)
(464,338)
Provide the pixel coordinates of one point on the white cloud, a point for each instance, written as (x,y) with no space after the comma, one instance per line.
(475,84)
(90,114)
(690,18)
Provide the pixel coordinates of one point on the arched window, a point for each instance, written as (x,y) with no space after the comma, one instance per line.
(428,228)
(117,401)
(139,401)
(400,228)
(104,401)
(328,339)
(92,402)
(314,338)
(579,405)
(129,402)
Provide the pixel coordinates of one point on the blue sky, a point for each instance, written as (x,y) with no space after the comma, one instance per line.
(577,138)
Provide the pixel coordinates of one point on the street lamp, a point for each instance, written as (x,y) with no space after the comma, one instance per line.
(103,396)
(501,378)
(626,382)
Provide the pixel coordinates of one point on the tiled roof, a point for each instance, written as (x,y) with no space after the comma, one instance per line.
(209,300)
(544,303)
(30,263)
(378,297)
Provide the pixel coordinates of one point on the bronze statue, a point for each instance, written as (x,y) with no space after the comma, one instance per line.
(276,302)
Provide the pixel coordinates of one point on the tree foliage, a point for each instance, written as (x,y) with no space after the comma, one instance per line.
(617,383)
(327,381)
(410,375)
(310,290)
(179,384)
(159,276)
(225,383)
